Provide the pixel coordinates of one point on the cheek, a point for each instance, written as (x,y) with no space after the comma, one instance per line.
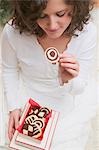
(41,24)
(66,21)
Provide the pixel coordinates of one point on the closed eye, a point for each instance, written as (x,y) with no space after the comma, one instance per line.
(61,14)
(42,16)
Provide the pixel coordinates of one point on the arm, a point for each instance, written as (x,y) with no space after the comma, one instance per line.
(87,66)
(85,104)
(81,65)
(10,72)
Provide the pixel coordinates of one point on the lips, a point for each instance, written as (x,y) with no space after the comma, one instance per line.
(52,31)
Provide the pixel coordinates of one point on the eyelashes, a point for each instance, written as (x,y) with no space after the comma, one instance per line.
(42,16)
(59,14)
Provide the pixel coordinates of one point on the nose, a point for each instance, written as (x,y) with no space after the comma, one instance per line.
(52,23)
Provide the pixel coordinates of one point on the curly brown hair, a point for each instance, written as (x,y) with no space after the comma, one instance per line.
(26,13)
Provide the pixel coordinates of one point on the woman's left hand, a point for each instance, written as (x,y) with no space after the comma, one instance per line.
(69,67)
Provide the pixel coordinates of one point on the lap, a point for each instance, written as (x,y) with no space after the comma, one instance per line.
(73,144)
(76,139)
(69,138)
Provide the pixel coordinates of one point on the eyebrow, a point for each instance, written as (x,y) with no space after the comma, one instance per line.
(64,10)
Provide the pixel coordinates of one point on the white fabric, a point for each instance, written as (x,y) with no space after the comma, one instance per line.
(27,73)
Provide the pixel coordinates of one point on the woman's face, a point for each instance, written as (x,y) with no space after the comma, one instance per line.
(55,19)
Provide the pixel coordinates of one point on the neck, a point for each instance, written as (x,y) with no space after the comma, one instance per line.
(59,43)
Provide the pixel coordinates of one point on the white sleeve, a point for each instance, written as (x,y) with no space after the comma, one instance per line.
(87,60)
(10,72)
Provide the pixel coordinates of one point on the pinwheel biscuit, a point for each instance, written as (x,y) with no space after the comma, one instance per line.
(52,55)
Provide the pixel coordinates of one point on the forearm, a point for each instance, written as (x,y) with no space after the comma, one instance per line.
(86,71)
(11,87)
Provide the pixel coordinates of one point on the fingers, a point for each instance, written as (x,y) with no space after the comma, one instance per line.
(67,58)
(13,122)
(74,73)
(70,66)
(65,55)
(69,63)
(11,128)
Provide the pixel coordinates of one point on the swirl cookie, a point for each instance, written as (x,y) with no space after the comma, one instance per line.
(36,121)
(52,55)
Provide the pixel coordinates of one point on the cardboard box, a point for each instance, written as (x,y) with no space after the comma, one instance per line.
(39,134)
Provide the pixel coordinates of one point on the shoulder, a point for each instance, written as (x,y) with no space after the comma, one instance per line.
(9,31)
(88,34)
(86,39)
(89,30)
(14,37)
(12,31)
(9,28)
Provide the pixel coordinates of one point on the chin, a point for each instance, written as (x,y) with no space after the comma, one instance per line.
(54,36)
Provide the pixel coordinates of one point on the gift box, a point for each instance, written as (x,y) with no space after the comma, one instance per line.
(36,128)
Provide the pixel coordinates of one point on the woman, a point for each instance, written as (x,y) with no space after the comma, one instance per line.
(37,26)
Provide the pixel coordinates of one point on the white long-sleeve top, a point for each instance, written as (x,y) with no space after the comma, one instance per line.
(27,73)
(23,60)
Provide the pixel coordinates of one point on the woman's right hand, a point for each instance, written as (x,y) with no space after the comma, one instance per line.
(14,117)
